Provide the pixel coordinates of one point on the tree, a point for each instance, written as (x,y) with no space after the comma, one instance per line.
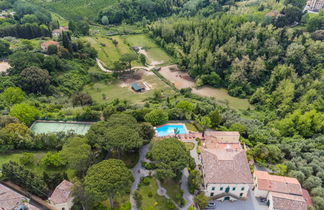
(204,122)
(35,80)
(4,48)
(97,135)
(215,118)
(104,20)
(171,157)
(52,49)
(201,200)
(81,99)
(147,131)
(156,117)
(128,58)
(194,181)
(27,159)
(24,112)
(13,95)
(312,182)
(123,138)
(53,160)
(107,178)
(5,120)
(80,196)
(142,59)
(77,153)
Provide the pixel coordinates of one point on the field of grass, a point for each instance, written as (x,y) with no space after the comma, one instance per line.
(108,53)
(155,53)
(150,199)
(110,91)
(173,190)
(37,167)
(75,9)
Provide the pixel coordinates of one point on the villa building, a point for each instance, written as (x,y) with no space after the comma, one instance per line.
(61,198)
(225,168)
(281,193)
(46,44)
(57,32)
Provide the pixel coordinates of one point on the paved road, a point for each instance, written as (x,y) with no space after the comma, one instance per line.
(138,171)
(184,186)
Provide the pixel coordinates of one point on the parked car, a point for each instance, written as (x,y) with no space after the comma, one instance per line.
(211,205)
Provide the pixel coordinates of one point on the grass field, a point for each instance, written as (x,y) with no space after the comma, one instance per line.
(189,145)
(37,167)
(108,53)
(155,53)
(101,90)
(75,9)
(150,199)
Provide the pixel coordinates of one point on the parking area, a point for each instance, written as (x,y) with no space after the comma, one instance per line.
(251,203)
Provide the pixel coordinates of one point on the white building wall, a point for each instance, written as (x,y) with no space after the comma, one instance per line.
(269,199)
(64,206)
(239,190)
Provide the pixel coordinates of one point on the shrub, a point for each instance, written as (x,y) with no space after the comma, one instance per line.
(150,194)
(27,159)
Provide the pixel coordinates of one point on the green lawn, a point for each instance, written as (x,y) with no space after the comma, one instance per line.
(37,167)
(129,158)
(173,190)
(189,145)
(100,90)
(150,198)
(75,9)
(108,53)
(191,127)
(155,53)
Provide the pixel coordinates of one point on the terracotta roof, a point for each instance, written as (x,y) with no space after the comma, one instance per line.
(225,166)
(284,201)
(307,197)
(10,199)
(62,192)
(223,136)
(60,30)
(282,184)
(50,42)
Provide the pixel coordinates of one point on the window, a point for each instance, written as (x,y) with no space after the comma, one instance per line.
(213,188)
(221,189)
(211,194)
(242,188)
(241,194)
(234,188)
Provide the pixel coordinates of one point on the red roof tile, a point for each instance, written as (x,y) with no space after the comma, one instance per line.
(62,192)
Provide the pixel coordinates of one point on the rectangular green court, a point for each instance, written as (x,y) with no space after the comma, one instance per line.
(80,128)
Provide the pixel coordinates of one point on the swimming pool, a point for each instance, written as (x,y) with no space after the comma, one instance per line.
(168,129)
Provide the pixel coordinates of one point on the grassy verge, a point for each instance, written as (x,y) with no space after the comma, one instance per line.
(189,145)
(191,127)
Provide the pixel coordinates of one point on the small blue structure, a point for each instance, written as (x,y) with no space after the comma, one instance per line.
(138,87)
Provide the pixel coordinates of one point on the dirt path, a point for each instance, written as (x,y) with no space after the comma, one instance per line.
(153,62)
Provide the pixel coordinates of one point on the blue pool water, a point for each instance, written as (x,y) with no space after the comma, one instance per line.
(169,129)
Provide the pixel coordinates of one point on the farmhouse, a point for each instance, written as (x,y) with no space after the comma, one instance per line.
(225,167)
(284,193)
(46,44)
(138,86)
(57,32)
(10,199)
(61,198)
